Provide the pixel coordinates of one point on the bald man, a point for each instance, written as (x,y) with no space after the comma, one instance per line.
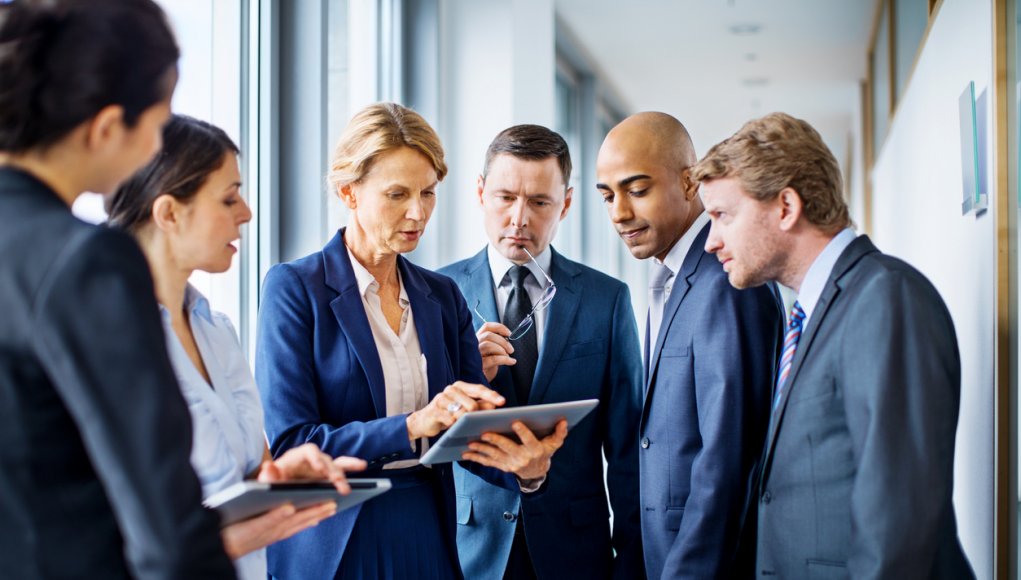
(710,358)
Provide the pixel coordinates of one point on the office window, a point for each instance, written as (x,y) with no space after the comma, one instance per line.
(208,88)
(567,122)
(910,18)
(337,90)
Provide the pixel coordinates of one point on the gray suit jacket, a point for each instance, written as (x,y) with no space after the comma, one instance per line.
(857,475)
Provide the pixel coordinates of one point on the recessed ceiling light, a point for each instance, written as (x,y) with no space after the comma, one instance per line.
(755,81)
(746,29)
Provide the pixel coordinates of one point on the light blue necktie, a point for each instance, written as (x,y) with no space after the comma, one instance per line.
(790,344)
(658,277)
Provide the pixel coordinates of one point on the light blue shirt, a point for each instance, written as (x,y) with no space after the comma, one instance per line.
(227,421)
(819,272)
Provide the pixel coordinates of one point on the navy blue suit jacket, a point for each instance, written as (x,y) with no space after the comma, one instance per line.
(590,351)
(704,422)
(321,381)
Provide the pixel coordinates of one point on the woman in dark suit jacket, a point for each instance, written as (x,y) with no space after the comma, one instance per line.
(362,353)
(95,481)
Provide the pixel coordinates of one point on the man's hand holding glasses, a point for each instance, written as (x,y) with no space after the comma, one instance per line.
(496,340)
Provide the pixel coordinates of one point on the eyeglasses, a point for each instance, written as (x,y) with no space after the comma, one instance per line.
(527,322)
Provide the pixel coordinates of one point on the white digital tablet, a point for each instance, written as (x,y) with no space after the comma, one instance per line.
(541,419)
(251,498)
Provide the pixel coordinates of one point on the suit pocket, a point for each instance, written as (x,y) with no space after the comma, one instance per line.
(586,348)
(826,569)
(464,510)
(589,510)
(674,352)
(673,518)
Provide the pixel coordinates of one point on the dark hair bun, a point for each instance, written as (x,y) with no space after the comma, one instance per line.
(62,61)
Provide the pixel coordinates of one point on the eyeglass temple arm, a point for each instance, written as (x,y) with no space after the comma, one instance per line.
(550,280)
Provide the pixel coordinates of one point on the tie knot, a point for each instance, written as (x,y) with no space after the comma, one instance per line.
(518,275)
(660,274)
(797,314)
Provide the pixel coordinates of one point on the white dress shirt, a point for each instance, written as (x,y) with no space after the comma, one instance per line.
(819,272)
(673,262)
(535,285)
(227,421)
(400,354)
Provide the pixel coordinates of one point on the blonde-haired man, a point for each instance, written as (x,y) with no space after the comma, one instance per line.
(857,475)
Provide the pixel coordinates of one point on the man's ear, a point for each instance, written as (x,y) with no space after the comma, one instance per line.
(166,213)
(347,196)
(568,196)
(480,186)
(104,126)
(791,206)
(688,185)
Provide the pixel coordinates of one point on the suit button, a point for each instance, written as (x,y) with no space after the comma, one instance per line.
(509,517)
(767,497)
(645,442)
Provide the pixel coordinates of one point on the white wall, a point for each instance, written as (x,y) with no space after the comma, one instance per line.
(917,212)
(497,69)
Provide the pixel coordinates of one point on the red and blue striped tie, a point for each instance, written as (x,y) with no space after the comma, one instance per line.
(790,344)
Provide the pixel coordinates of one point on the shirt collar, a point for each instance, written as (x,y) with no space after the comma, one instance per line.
(499,265)
(675,257)
(819,272)
(194,302)
(367,282)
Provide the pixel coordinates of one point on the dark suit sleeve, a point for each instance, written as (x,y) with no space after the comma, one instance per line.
(734,352)
(901,387)
(622,390)
(286,374)
(99,335)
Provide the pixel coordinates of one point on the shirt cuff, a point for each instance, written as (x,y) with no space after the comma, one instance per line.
(531,485)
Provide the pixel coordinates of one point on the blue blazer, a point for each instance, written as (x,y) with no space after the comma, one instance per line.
(590,350)
(704,422)
(321,381)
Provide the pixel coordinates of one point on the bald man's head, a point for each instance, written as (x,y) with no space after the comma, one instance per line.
(656,134)
(643,174)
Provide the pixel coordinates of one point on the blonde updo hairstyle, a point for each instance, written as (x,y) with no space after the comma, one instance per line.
(375,130)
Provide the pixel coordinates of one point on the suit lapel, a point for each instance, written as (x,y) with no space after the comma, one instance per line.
(560,314)
(351,316)
(428,317)
(479,289)
(681,286)
(854,252)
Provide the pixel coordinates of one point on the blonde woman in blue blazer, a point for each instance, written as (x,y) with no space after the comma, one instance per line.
(365,354)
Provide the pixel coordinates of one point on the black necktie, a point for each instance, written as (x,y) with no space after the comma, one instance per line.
(526,348)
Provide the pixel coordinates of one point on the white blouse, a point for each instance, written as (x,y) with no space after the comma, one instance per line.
(227,421)
(400,354)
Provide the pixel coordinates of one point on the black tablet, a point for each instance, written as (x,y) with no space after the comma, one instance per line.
(251,498)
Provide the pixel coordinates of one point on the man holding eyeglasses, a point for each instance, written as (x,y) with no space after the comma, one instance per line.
(550,330)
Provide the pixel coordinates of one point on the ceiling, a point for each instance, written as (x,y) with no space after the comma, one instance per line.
(715,64)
